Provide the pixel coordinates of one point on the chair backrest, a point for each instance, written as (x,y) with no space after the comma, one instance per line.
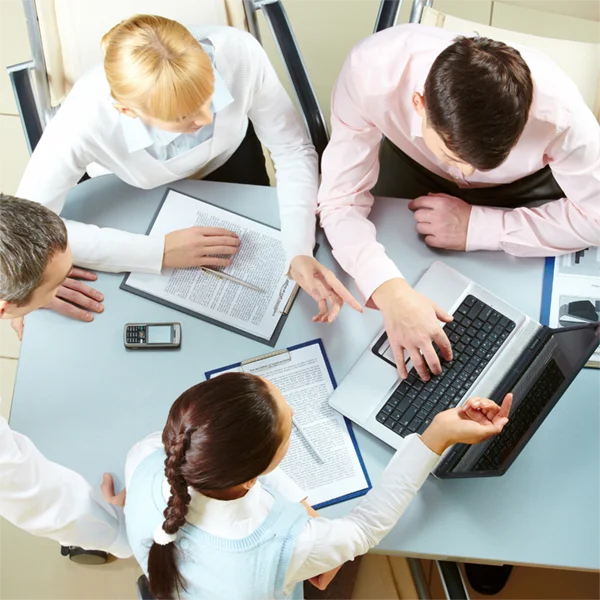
(71,30)
(579,60)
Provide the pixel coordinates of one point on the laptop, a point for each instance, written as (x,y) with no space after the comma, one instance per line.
(496,349)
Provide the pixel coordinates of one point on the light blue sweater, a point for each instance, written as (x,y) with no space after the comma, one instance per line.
(249,568)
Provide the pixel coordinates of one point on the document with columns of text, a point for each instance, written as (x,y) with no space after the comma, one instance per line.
(323,458)
(258,311)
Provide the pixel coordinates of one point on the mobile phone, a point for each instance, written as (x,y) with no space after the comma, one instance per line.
(152,336)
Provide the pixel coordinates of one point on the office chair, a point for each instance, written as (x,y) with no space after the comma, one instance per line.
(579,60)
(143,588)
(65,41)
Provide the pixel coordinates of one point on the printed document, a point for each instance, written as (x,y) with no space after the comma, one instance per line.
(576,292)
(303,378)
(260,262)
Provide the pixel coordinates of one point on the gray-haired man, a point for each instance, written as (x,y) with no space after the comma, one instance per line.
(36,494)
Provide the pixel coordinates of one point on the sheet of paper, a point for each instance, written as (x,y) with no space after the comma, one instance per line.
(306,385)
(260,262)
(576,291)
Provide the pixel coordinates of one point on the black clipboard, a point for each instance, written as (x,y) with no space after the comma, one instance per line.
(192,313)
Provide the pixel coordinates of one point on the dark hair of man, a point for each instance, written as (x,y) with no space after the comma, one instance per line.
(477,99)
(30,235)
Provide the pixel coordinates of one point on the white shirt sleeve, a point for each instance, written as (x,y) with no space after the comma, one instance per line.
(327,543)
(51,501)
(276,479)
(285,485)
(278,126)
(58,162)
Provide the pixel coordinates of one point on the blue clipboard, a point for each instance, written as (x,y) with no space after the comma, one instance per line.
(547,282)
(288,351)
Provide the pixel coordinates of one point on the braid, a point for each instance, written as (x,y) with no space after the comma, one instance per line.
(163,571)
(179,501)
(203,439)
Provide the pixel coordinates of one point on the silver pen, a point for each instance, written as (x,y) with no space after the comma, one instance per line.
(307,440)
(223,275)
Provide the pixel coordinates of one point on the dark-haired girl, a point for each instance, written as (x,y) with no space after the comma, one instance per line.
(203,525)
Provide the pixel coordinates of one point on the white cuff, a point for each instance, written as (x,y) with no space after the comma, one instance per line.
(285,485)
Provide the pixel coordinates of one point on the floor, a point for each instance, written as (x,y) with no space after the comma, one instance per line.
(529,582)
(32,568)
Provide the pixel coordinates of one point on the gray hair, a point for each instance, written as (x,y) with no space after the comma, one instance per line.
(30,235)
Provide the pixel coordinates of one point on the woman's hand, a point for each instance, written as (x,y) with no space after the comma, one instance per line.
(199,247)
(323,287)
(324,579)
(476,420)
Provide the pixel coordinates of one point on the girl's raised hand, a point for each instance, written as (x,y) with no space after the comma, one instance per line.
(473,422)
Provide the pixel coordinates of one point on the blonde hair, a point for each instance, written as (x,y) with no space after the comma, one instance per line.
(155,65)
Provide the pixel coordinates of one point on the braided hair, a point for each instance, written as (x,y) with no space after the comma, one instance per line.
(219,434)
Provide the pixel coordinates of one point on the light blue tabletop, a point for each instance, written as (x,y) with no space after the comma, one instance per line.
(85,400)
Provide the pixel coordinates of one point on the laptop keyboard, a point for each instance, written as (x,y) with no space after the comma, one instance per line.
(529,409)
(476,334)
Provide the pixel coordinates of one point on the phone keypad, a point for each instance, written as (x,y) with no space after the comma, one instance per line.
(136,334)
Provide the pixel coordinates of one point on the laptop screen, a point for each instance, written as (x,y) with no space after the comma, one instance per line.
(563,355)
(577,343)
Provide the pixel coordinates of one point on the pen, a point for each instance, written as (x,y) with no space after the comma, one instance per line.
(307,440)
(223,275)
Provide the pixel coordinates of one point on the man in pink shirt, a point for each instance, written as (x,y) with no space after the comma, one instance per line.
(495,147)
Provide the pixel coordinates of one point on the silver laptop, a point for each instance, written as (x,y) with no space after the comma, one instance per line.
(496,348)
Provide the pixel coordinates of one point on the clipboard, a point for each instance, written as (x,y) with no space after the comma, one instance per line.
(280,357)
(192,313)
(547,281)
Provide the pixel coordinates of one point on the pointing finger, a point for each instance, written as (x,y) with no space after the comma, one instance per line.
(337,286)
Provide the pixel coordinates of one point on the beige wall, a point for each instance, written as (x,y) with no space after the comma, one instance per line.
(14,48)
(327,29)
(584,9)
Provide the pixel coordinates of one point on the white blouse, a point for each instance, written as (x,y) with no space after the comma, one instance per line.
(88,129)
(323,544)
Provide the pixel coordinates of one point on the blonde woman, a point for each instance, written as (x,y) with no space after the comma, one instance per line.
(171,103)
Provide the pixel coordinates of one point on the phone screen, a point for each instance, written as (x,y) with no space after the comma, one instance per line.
(158,334)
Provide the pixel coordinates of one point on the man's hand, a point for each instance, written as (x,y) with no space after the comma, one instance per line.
(18,323)
(107,488)
(473,422)
(73,299)
(76,299)
(323,286)
(443,220)
(199,247)
(411,323)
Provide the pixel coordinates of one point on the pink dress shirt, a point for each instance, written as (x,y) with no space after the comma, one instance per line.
(372,98)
